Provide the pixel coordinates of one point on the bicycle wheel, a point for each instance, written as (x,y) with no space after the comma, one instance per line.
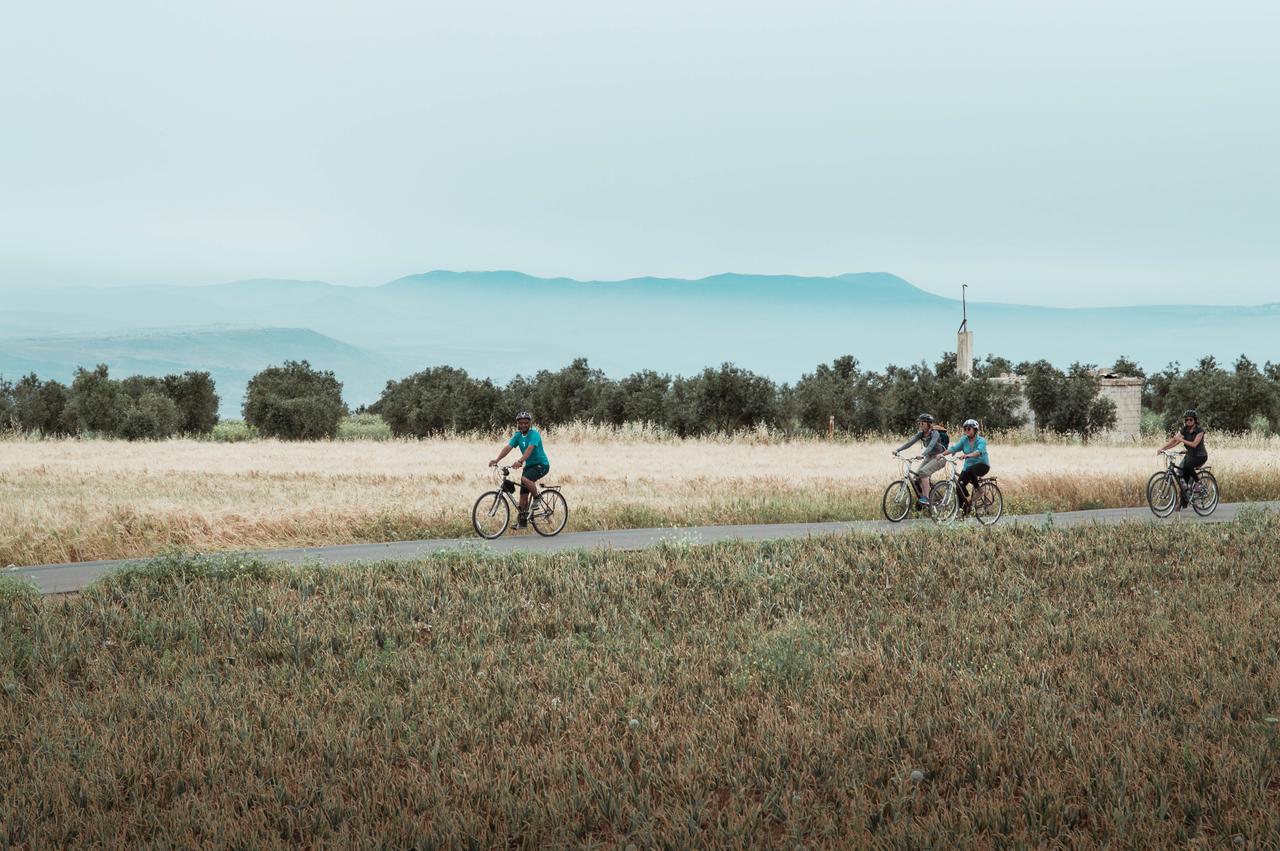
(943,502)
(551,514)
(988,504)
(1204,494)
(491,515)
(1162,494)
(896,502)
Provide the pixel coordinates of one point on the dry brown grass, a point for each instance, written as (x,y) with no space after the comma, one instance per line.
(71,500)
(972,689)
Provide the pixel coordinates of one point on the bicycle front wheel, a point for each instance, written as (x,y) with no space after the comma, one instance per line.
(1204,494)
(550,515)
(943,502)
(491,515)
(988,504)
(896,503)
(1162,494)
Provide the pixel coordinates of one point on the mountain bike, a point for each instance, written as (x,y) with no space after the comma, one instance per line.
(491,515)
(1165,489)
(903,494)
(986,502)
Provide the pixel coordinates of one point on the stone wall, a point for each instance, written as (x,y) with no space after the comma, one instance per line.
(1127,395)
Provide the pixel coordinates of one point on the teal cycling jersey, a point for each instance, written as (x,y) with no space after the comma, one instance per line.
(524,441)
(979,445)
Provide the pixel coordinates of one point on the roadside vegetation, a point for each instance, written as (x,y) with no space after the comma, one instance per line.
(974,688)
(73,500)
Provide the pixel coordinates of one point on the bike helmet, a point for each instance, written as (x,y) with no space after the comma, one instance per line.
(524,415)
(1191,414)
(925,418)
(971,423)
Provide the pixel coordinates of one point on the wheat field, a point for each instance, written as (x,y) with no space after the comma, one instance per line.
(74,500)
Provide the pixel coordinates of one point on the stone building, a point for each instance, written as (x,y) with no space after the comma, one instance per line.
(1126,393)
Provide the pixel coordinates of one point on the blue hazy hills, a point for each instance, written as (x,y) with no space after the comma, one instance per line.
(498,324)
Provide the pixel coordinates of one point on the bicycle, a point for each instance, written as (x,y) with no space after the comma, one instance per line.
(903,494)
(491,515)
(986,502)
(1165,489)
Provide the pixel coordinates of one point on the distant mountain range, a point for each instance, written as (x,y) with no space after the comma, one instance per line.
(502,323)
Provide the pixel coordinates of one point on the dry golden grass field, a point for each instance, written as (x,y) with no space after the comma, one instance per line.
(76,500)
(977,688)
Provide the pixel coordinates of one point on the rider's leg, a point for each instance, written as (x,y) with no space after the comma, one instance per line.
(962,488)
(1188,473)
(927,468)
(969,478)
(528,492)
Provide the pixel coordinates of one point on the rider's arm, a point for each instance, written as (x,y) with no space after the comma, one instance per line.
(525,456)
(501,455)
(1192,444)
(919,436)
(1173,441)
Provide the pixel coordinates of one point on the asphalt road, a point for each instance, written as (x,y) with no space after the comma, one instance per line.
(63,578)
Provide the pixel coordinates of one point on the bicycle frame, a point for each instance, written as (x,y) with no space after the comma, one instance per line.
(1174,471)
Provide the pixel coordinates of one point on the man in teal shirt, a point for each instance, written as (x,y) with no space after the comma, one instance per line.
(977,463)
(532,457)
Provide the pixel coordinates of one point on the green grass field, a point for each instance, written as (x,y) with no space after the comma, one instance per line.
(966,688)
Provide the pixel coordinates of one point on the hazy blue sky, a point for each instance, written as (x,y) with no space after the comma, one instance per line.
(1056,153)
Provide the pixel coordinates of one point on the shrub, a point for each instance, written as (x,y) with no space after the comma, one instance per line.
(730,398)
(1079,408)
(294,402)
(436,400)
(94,401)
(576,392)
(233,431)
(41,406)
(197,402)
(363,426)
(153,416)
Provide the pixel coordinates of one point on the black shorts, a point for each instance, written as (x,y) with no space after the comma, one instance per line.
(533,472)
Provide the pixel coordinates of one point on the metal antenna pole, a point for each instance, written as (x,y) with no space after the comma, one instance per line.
(964,307)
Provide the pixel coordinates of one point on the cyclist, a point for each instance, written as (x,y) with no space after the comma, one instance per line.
(532,457)
(977,464)
(934,443)
(1191,437)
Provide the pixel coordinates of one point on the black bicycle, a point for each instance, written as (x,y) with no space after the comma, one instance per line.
(491,515)
(1165,490)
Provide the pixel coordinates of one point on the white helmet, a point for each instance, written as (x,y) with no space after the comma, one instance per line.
(971,423)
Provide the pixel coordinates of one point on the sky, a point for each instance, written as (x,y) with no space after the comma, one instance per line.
(1083,153)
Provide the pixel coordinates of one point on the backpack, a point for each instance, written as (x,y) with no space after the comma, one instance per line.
(944,439)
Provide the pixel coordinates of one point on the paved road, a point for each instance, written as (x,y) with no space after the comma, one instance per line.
(61,578)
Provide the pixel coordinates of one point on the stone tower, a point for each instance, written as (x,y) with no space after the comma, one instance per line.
(964,339)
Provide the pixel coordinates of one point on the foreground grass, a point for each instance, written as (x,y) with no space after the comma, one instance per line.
(71,500)
(971,688)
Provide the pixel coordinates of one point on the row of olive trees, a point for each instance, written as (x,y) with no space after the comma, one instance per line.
(1244,398)
(729,398)
(297,402)
(138,407)
(292,401)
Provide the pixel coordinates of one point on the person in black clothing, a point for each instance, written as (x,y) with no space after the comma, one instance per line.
(1191,437)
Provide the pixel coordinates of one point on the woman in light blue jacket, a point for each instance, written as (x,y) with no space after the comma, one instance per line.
(973,448)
